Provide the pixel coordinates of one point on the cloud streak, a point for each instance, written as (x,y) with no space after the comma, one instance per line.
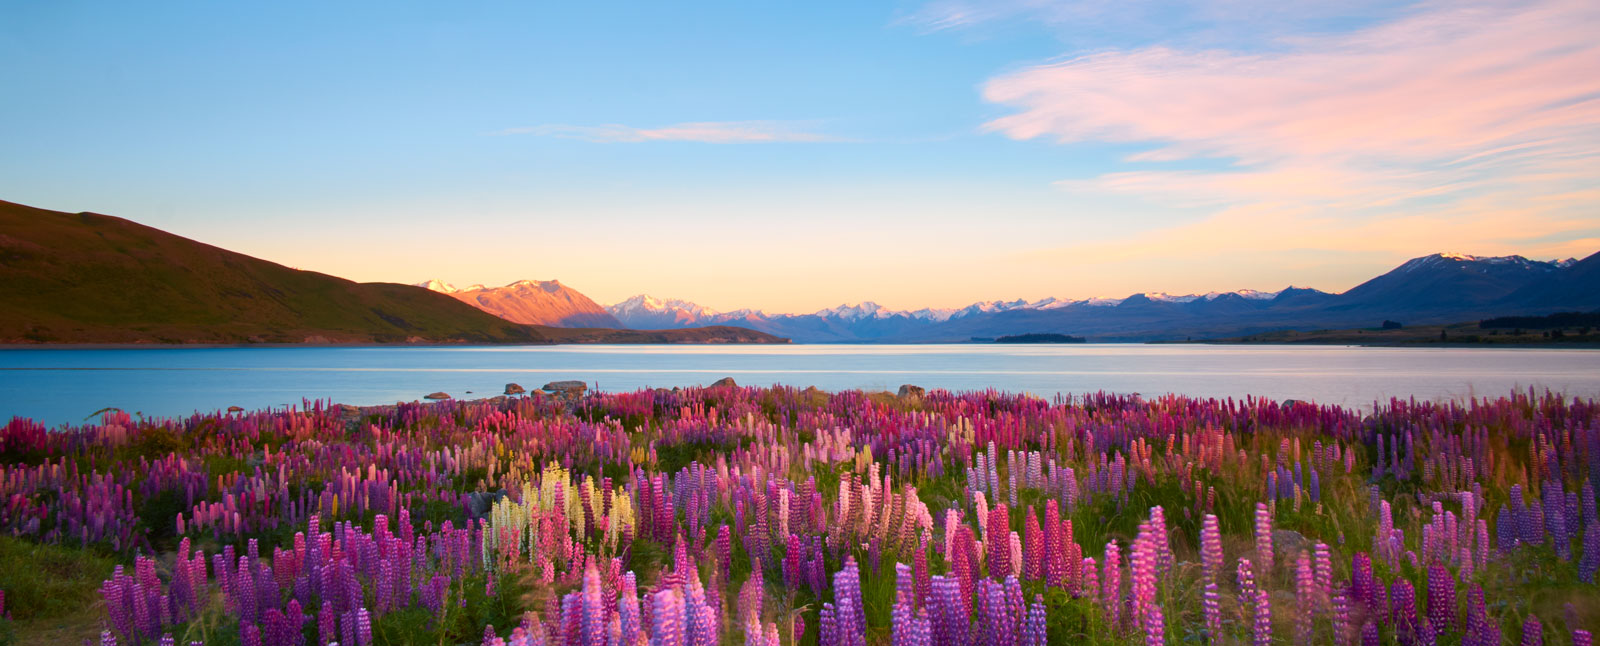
(711,132)
(1090,22)
(1485,115)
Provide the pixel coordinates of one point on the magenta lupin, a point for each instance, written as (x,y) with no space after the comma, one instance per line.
(1263,530)
(1210,548)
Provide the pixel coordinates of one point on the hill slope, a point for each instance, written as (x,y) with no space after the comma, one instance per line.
(90,278)
(533,302)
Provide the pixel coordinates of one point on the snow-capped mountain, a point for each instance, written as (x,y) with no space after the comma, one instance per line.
(533,302)
(438,286)
(1438,288)
(869,321)
(645,312)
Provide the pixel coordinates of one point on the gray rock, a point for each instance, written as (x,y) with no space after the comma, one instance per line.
(1287,545)
(439,395)
(570,387)
(909,390)
(725,381)
(481,502)
(515,389)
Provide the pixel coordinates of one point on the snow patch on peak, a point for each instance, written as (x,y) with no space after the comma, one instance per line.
(547,285)
(1257,295)
(935,314)
(1103,302)
(438,286)
(647,303)
(863,310)
(1169,298)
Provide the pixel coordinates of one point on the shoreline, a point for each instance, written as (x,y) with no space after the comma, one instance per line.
(1579,345)
(217,346)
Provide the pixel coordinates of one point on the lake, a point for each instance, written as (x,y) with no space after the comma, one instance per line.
(57,386)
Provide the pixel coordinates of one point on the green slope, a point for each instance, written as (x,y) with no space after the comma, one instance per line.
(90,278)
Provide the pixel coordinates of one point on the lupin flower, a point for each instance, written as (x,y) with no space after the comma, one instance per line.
(1211,608)
(1263,529)
(1532,632)
(850,616)
(1111,582)
(997,542)
(1210,548)
(1306,594)
(1035,630)
(1441,599)
(1259,601)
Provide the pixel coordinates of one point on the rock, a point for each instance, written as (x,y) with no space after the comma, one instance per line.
(1287,545)
(437,396)
(515,389)
(571,387)
(348,414)
(480,502)
(725,381)
(909,390)
(235,409)
(1290,403)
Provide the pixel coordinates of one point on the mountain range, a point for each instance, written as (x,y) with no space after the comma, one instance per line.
(91,278)
(1439,288)
(534,302)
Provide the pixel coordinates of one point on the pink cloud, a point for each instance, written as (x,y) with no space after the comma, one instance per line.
(1485,115)
(1451,81)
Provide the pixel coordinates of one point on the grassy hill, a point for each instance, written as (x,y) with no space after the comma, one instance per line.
(90,278)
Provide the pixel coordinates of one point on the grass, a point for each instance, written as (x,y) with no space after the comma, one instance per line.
(52,592)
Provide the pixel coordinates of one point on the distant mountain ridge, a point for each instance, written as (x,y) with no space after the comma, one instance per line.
(1439,288)
(532,302)
(91,278)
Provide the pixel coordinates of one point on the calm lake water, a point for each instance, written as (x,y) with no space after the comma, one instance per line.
(65,386)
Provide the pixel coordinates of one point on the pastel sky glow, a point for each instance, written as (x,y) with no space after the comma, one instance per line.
(795,157)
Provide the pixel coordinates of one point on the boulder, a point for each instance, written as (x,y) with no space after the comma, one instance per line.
(480,502)
(439,395)
(725,381)
(571,387)
(515,389)
(1287,545)
(909,390)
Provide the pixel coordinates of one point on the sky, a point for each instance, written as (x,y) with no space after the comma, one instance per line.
(795,156)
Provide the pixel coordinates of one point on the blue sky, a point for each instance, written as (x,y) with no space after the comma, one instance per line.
(791,156)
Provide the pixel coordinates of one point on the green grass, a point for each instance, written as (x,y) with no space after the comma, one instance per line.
(47,581)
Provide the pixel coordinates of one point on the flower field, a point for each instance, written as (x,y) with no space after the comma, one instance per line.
(779,516)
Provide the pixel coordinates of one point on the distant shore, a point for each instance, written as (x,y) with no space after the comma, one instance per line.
(1458,335)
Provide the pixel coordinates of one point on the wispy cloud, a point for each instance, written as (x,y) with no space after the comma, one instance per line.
(711,132)
(1481,118)
(1097,22)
